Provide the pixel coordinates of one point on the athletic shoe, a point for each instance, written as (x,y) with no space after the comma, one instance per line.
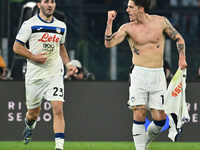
(27,135)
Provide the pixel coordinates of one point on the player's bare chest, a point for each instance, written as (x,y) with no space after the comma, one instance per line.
(146,35)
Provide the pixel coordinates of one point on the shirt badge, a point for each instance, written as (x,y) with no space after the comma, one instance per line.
(58,30)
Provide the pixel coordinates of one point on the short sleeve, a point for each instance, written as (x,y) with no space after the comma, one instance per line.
(62,41)
(24,32)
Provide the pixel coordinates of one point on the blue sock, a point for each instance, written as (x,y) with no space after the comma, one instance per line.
(160,123)
(60,135)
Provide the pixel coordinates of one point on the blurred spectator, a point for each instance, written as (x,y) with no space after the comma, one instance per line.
(4,71)
(167,71)
(2,68)
(196,78)
(82,74)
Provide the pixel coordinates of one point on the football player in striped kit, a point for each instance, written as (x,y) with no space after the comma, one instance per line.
(45,58)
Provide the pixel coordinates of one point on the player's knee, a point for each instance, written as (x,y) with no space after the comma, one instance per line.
(139,117)
(158,114)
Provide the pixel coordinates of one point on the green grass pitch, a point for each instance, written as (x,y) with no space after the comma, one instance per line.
(34,145)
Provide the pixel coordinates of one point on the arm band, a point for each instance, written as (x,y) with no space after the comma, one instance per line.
(108,39)
(108,36)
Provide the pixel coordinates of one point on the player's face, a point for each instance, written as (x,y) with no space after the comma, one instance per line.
(47,7)
(132,10)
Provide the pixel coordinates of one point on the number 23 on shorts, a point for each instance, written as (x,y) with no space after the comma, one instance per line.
(58,92)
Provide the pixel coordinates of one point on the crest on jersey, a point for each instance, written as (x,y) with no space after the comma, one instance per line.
(132,99)
(58,30)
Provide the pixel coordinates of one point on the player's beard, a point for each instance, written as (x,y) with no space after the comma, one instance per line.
(45,12)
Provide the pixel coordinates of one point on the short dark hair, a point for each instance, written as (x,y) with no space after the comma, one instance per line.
(143,3)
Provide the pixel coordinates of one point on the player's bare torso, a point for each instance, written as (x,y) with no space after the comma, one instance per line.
(147,41)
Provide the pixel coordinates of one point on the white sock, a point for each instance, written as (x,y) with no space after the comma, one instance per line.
(139,136)
(59,143)
(153,131)
(31,126)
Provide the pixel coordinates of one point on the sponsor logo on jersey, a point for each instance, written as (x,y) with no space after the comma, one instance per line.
(40,28)
(47,38)
(48,47)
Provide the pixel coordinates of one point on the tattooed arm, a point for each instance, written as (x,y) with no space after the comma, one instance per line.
(173,34)
(113,39)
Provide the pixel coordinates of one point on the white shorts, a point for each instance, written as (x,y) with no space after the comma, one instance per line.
(147,87)
(50,89)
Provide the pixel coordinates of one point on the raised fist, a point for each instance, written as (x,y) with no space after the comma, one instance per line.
(111,15)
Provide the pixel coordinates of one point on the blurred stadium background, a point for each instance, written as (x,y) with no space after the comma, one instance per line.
(86,22)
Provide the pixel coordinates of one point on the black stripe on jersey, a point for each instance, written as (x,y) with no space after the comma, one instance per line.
(46,30)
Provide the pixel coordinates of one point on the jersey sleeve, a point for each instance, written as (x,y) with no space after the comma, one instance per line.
(62,41)
(24,33)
